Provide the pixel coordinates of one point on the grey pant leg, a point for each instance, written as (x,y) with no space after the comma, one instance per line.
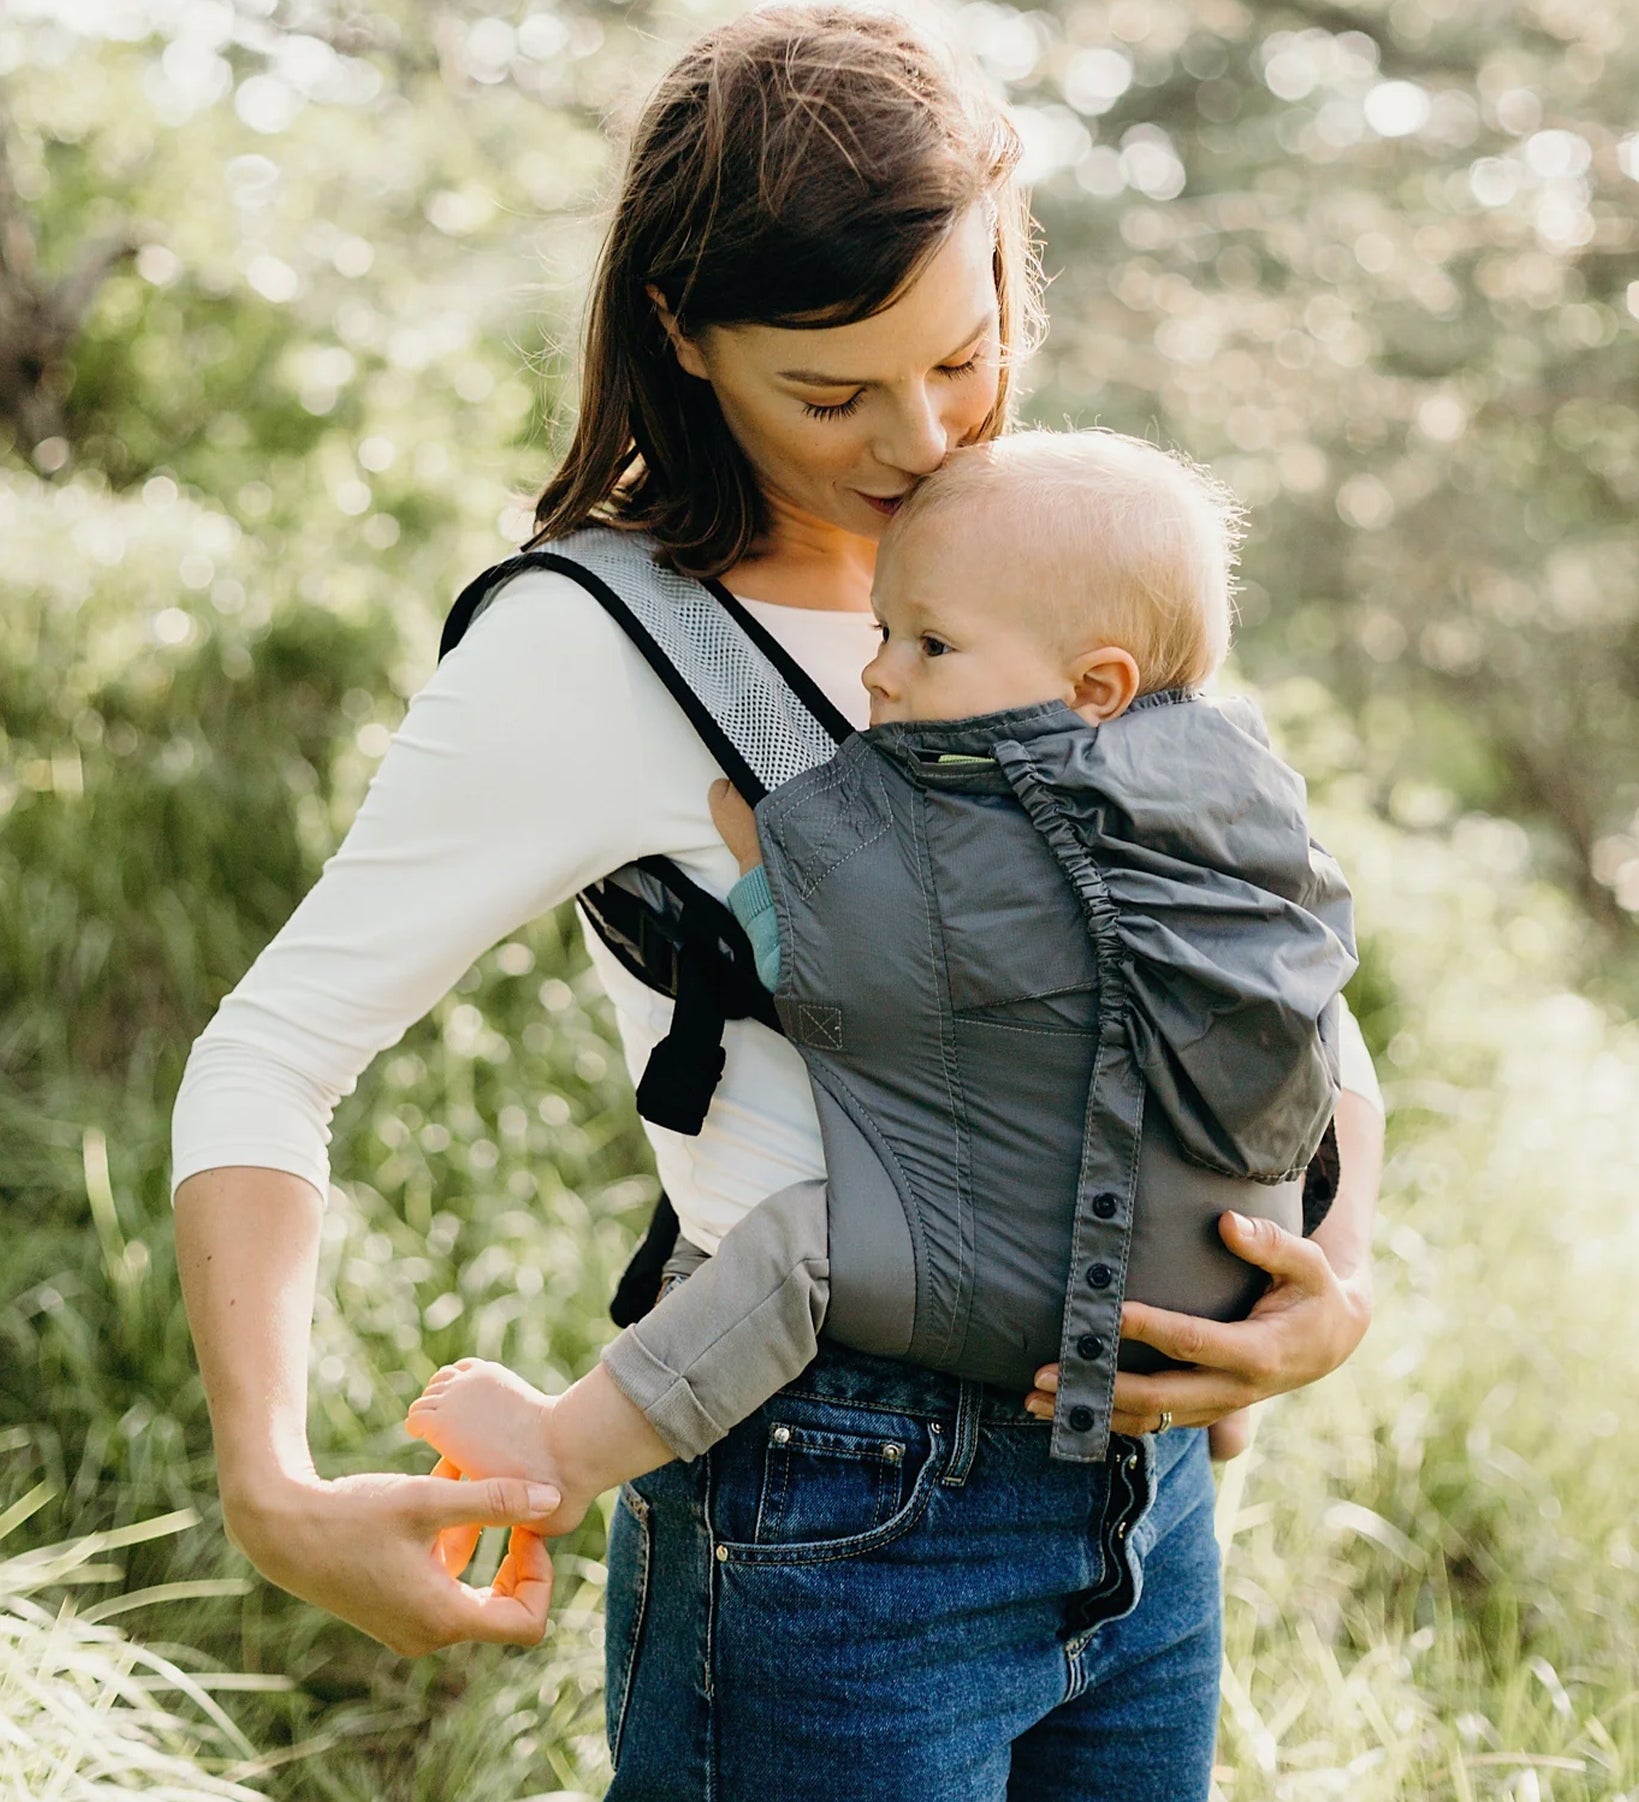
(745,1323)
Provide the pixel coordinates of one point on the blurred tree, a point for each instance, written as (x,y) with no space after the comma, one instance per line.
(1377,264)
(40,318)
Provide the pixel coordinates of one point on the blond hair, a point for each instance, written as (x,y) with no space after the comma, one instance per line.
(1109,538)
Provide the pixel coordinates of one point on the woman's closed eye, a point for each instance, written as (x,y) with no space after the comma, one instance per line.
(841,409)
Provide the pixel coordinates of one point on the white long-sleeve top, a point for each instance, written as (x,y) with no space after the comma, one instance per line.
(543,753)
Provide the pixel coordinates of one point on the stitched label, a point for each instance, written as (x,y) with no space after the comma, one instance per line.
(819,1025)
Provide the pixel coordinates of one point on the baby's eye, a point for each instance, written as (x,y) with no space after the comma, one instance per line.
(883,630)
(933,647)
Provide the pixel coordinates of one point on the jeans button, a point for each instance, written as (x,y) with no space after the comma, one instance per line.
(1100,1276)
(1081,1419)
(1089,1346)
(1105,1205)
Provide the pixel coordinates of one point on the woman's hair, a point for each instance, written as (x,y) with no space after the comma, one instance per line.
(797,167)
(1106,537)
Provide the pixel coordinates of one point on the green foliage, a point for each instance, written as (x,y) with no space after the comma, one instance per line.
(291,426)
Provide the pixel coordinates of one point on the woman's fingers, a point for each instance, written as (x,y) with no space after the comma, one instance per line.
(493,1502)
(1286,1256)
(1187,1338)
(513,1610)
(1194,1398)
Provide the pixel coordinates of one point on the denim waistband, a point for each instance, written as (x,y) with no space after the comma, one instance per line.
(863,1379)
(842,1375)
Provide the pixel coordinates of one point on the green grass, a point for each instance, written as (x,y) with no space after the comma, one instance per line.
(1431,1562)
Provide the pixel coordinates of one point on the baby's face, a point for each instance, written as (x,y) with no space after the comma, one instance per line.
(955,640)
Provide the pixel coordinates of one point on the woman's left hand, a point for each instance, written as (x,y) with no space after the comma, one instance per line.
(1304,1325)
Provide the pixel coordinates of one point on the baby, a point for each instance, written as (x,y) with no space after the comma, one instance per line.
(1077,572)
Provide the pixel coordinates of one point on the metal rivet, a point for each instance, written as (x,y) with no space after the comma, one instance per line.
(893,1452)
(936,1428)
(781,1435)
(1120,1533)
(1130,1462)
(722,1552)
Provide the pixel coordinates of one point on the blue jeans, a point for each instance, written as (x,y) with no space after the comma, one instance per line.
(880,1588)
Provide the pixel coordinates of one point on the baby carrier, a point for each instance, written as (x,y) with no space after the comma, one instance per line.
(766,723)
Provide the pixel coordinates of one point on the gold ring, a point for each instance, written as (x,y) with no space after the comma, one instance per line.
(1164,1425)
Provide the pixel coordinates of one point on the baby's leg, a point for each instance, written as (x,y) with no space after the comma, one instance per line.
(745,1323)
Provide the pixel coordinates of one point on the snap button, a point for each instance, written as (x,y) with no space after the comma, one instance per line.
(722,1554)
(1130,1462)
(1089,1346)
(1081,1419)
(893,1451)
(1105,1205)
(1120,1533)
(1100,1276)
(781,1435)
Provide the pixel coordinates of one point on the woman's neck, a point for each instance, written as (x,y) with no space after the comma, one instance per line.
(803,561)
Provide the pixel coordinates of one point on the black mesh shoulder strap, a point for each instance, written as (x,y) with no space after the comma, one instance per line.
(760,714)
(764,720)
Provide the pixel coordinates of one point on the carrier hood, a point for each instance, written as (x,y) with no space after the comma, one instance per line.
(1224,932)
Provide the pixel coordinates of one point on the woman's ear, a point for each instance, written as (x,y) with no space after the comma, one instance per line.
(684,348)
(1106,683)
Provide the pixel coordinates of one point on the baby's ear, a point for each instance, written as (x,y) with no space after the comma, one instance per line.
(1106,683)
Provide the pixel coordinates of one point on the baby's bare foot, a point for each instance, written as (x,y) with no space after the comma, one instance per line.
(486,1420)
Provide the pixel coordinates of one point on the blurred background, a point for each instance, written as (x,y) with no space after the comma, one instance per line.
(288,300)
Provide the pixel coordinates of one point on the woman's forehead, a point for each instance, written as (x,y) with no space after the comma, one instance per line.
(950,304)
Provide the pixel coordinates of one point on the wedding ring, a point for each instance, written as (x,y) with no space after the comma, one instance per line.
(1164,1424)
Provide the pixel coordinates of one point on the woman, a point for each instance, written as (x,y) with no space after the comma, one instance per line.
(815,282)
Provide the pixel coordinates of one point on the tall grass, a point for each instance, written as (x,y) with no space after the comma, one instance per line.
(1431,1566)
(86,1712)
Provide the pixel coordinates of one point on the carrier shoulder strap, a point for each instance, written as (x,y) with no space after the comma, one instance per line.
(759,713)
(764,720)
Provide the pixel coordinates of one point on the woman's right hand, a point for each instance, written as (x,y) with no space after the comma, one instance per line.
(384,1553)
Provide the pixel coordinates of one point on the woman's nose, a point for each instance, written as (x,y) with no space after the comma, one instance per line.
(916,441)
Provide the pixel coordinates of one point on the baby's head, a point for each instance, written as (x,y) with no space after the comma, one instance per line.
(1086,567)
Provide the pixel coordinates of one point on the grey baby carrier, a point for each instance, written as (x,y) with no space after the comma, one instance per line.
(767,724)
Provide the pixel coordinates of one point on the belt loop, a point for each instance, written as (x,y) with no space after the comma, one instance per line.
(965,1434)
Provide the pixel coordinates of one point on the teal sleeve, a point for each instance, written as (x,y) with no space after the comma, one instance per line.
(753,907)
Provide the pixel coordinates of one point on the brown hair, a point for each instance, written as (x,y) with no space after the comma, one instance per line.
(797,167)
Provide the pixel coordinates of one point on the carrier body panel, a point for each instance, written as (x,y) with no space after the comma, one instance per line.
(984,1041)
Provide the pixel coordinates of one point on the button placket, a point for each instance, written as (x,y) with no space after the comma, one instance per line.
(1114,1118)
(1103,1235)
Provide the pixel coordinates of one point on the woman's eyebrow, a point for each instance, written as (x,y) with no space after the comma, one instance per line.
(813,378)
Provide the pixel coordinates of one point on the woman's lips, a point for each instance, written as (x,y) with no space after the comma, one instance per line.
(886,504)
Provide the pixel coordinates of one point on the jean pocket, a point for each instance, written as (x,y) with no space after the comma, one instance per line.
(811,1489)
(631,1557)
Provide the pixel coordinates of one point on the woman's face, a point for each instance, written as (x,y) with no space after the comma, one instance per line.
(840,422)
